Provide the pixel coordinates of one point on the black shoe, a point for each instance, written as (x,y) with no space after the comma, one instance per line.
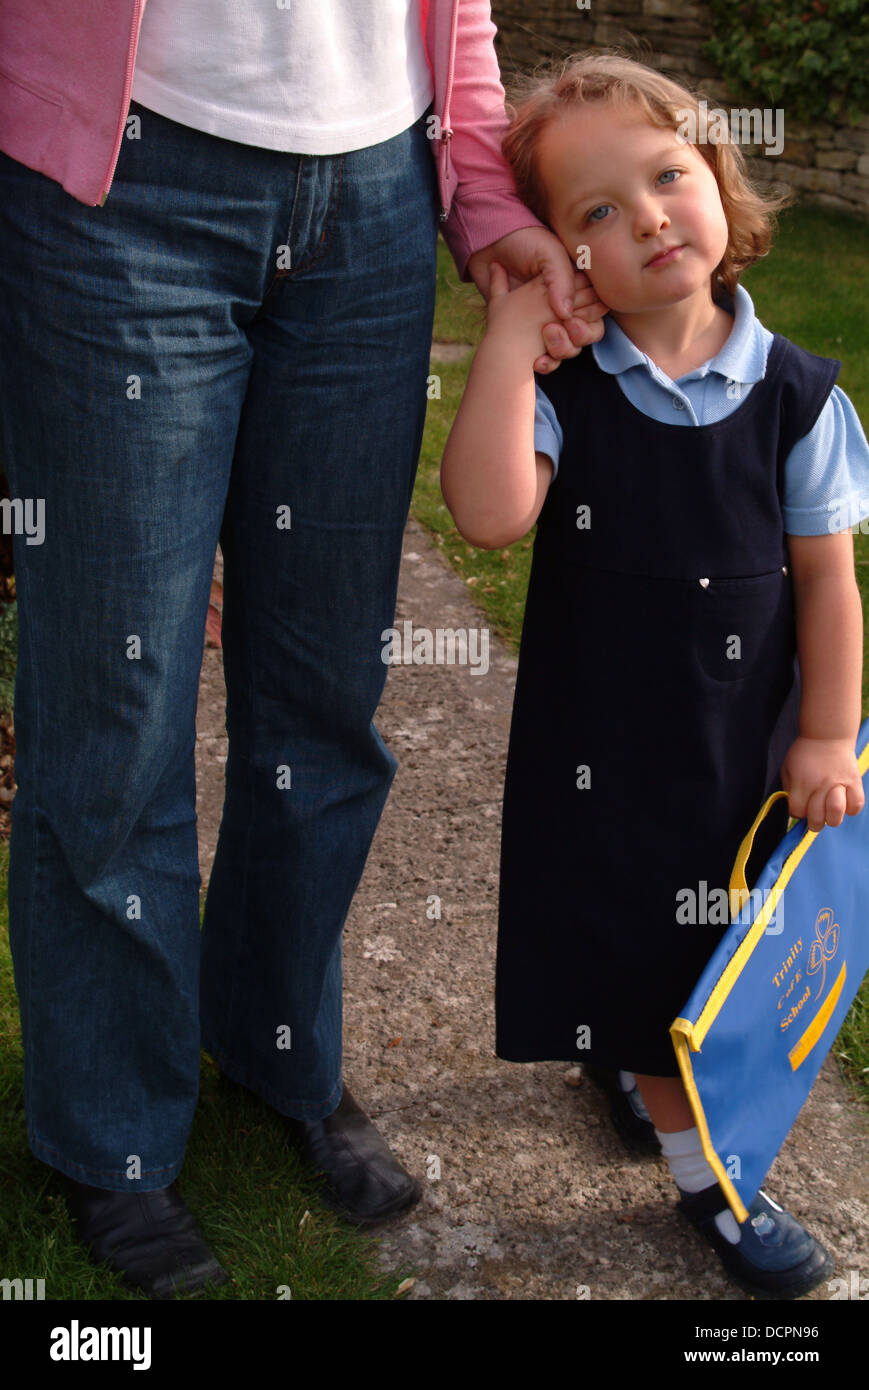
(775,1257)
(149,1238)
(635,1132)
(364,1182)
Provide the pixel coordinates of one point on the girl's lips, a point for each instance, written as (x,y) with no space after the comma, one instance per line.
(666,257)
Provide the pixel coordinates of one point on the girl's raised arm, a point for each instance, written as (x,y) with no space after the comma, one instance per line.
(492,481)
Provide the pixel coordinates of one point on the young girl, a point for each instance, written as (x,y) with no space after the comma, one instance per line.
(689,473)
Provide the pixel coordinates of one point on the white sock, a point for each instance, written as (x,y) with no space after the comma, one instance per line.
(692,1173)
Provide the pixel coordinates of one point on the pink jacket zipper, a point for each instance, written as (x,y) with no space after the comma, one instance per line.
(138,11)
(446,130)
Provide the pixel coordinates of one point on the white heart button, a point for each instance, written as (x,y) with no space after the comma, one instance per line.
(704,583)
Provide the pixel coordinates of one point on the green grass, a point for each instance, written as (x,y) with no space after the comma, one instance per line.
(813,288)
(460,314)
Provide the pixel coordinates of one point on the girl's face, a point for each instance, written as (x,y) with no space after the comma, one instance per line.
(644,202)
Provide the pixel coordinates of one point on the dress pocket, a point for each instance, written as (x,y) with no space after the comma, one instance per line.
(744,627)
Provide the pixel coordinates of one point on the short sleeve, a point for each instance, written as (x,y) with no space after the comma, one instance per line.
(548,436)
(827,473)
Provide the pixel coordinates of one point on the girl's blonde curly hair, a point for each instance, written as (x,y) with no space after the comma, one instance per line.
(537,99)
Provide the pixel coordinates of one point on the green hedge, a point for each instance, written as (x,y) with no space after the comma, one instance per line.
(809,57)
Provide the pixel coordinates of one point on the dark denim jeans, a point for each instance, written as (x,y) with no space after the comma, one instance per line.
(234,347)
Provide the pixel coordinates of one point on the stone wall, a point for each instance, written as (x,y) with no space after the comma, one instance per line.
(822,163)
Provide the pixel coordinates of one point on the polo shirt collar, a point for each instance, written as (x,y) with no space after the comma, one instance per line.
(742,358)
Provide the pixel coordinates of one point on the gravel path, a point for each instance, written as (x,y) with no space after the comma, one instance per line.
(529,1193)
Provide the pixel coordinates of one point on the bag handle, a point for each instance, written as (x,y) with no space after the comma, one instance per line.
(737,878)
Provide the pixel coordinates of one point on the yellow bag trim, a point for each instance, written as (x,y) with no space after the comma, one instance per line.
(680,1042)
(800,1051)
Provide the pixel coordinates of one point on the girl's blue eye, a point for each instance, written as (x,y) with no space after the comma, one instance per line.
(671,171)
(592,216)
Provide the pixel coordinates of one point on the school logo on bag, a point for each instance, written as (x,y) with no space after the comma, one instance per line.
(821,950)
(824,946)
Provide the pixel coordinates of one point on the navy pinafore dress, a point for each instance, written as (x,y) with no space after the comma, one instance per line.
(656,698)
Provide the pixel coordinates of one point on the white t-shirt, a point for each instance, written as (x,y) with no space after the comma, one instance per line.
(315,77)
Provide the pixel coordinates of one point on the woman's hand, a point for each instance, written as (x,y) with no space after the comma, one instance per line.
(822,780)
(577,311)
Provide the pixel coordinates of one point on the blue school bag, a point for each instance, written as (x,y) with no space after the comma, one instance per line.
(772,998)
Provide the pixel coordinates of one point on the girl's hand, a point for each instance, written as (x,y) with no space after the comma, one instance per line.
(585,326)
(822,780)
(518,317)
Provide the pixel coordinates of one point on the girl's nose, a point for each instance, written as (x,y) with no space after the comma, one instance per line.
(650,218)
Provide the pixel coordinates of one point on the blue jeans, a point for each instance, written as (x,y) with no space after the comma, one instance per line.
(234,348)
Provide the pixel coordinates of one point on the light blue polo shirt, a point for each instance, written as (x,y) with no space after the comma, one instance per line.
(826,486)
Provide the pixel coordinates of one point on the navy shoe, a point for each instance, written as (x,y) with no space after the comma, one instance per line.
(775,1257)
(627,1110)
(365,1183)
(149,1238)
